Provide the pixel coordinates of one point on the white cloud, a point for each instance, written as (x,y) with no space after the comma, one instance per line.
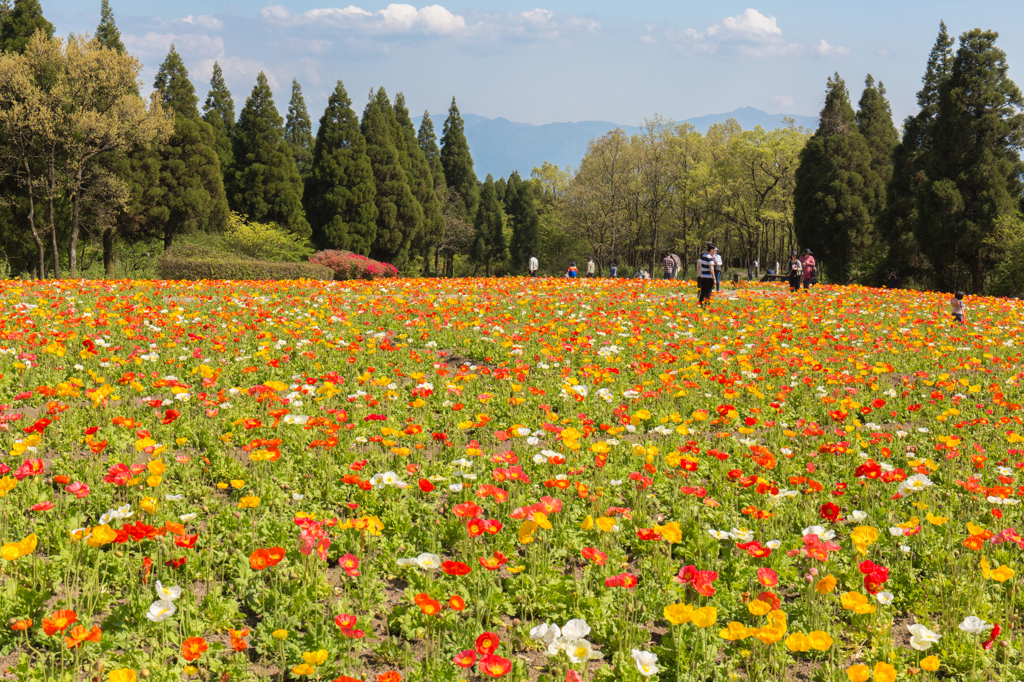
(750,34)
(784,101)
(885,52)
(204,21)
(433,21)
(237,70)
(826,51)
(189,45)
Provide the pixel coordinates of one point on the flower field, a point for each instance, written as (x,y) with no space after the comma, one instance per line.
(527,480)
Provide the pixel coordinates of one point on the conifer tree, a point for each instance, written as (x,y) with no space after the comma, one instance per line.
(399,215)
(107,32)
(458,163)
(219,112)
(298,131)
(428,143)
(835,189)
(265,184)
(21,23)
(522,210)
(191,186)
(340,192)
(973,169)
(489,234)
(874,121)
(421,182)
(900,215)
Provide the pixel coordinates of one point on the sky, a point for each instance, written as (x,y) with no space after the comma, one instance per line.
(544,61)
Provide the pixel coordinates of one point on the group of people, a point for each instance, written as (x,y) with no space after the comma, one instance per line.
(801,270)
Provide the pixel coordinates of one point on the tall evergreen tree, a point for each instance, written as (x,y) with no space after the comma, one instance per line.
(836,188)
(340,192)
(874,121)
(421,182)
(973,169)
(488,227)
(107,33)
(457,161)
(399,215)
(428,143)
(21,23)
(219,112)
(900,215)
(266,185)
(522,208)
(191,193)
(298,131)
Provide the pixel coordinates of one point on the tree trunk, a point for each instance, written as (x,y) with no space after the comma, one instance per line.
(108,251)
(73,247)
(53,238)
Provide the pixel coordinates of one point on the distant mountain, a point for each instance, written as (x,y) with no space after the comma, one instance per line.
(500,146)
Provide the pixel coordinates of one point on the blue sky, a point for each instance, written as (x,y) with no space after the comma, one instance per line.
(554,60)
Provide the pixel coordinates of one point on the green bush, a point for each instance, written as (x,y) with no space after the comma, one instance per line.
(264,241)
(173,266)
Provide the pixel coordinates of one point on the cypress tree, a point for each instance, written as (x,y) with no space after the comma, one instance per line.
(522,209)
(399,215)
(265,184)
(219,112)
(458,163)
(107,33)
(874,121)
(973,169)
(489,234)
(428,143)
(900,215)
(21,23)
(191,196)
(298,131)
(340,192)
(421,182)
(836,188)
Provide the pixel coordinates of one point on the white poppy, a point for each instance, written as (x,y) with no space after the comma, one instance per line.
(646,662)
(160,610)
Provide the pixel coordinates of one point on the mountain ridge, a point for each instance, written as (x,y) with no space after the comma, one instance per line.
(500,146)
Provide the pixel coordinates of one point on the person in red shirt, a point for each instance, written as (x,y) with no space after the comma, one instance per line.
(809,266)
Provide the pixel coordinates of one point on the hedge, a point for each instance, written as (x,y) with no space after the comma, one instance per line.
(173,266)
(348,265)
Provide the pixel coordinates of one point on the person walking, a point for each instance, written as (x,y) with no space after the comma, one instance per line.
(718,270)
(534,265)
(706,275)
(810,268)
(957,307)
(794,269)
(613,271)
(679,265)
(572,272)
(668,265)
(591,268)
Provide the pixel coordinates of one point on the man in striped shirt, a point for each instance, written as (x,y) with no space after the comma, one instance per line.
(706,275)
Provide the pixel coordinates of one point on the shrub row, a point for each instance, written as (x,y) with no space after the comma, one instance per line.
(173,266)
(348,265)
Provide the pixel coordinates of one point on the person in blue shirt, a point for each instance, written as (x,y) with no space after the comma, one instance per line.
(571,273)
(706,276)
(613,271)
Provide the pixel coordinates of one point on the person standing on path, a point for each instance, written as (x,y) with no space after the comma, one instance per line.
(678,267)
(591,269)
(613,271)
(794,269)
(571,272)
(534,265)
(718,270)
(706,275)
(668,265)
(809,267)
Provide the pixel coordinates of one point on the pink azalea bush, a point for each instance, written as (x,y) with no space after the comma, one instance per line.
(348,265)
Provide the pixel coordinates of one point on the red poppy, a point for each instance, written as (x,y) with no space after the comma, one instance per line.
(21,624)
(186,541)
(390,676)
(80,634)
(830,512)
(465,659)
(487,643)
(987,644)
(769,598)
(595,555)
(425,485)
(494,666)
(456,603)
(58,621)
(467,510)
(493,563)
(192,648)
(345,620)
(456,568)
(767,577)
